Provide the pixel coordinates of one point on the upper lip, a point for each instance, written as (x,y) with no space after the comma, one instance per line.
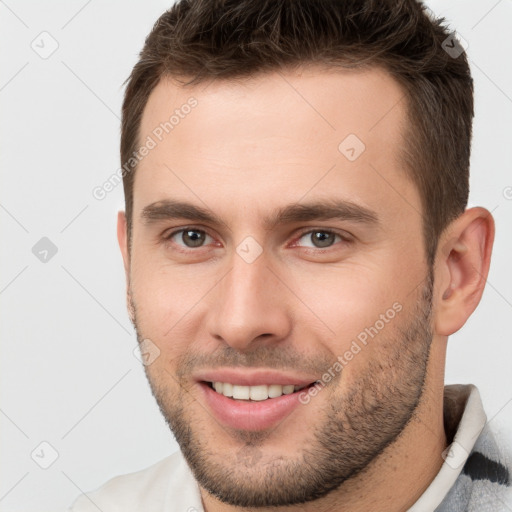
(252,377)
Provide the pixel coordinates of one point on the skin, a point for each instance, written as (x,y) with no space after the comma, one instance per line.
(248,148)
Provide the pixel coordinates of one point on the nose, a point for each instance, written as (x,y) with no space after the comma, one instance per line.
(250,306)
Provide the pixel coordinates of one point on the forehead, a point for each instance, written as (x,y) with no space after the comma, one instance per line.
(306,131)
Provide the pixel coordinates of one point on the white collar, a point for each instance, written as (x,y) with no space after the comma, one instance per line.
(469,428)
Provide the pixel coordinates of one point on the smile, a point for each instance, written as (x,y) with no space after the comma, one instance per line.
(252,405)
(254,393)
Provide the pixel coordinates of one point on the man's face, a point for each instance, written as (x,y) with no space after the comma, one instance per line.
(268,294)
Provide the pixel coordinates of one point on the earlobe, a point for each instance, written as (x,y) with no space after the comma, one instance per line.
(462,266)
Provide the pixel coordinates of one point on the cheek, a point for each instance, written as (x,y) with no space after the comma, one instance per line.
(153,290)
(361,307)
(347,299)
(168,300)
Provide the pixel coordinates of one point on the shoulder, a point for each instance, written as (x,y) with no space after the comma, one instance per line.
(489,467)
(152,488)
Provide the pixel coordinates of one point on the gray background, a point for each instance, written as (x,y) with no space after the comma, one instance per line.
(68,373)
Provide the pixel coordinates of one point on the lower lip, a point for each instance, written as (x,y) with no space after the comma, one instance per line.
(250,415)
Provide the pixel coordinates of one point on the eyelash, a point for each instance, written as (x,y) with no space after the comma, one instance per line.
(345,237)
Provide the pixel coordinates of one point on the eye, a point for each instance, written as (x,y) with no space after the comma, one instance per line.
(189,237)
(320,238)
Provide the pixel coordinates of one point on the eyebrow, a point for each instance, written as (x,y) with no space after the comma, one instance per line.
(329,209)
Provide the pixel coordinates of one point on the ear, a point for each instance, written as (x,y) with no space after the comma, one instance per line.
(122,238)
(461,269)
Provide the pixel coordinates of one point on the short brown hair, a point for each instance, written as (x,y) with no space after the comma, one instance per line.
(228,39)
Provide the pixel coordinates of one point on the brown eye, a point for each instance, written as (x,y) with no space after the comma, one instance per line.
(319,238)
(190,238)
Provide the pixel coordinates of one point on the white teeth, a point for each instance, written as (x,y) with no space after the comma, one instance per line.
(275,390)
(227,389)
(256,393)
(241,392)
(288,390)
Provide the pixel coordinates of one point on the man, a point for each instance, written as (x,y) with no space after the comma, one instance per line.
(297,251)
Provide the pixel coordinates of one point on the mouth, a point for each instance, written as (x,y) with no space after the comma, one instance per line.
(258,393)
(253,405)
(253,398)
